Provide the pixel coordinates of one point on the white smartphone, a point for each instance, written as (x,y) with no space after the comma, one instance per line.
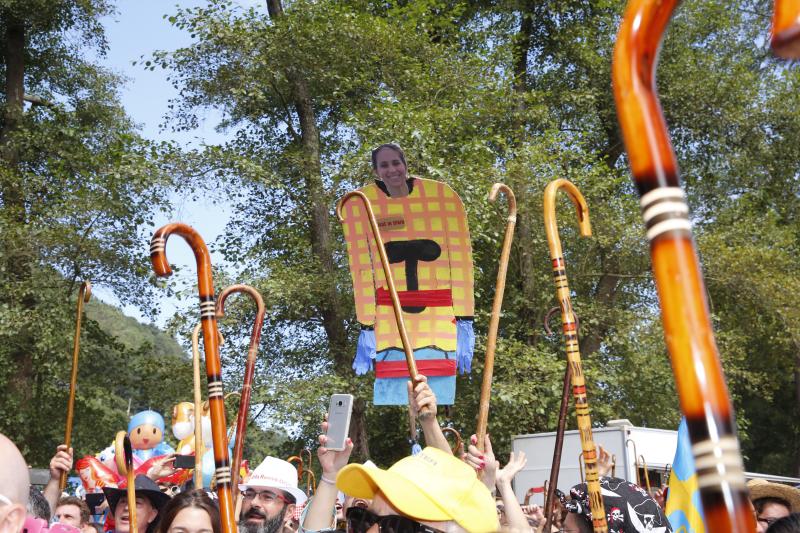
(339,411)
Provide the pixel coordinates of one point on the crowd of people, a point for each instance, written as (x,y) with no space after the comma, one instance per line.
(432,491)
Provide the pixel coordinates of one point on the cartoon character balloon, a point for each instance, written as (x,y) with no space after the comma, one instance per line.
(146,431)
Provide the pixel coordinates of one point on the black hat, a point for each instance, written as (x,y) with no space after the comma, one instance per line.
(144,487)
(628,507)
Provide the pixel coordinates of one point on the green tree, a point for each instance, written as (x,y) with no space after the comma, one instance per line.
(520,92)
(77,184)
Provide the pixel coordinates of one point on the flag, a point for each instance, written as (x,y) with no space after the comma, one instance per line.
(684,509)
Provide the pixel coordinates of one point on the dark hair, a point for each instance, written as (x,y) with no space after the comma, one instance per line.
(390,146)
(37,505)
(787,524)
(760,503)
(80,504)
(193,498)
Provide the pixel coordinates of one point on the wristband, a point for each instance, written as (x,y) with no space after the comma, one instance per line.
(326,480)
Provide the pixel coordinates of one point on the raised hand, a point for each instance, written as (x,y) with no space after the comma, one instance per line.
(61,461)
(515,463)
(420,396)
(483,462)
(332,461)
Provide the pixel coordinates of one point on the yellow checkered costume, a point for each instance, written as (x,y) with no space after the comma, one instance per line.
(432,211)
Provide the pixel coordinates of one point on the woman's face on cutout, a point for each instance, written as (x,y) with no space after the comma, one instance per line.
(390,168)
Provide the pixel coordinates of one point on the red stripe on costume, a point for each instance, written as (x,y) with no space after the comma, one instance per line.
(426,367)
(427,298)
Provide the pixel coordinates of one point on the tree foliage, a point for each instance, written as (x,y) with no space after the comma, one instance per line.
(519,92)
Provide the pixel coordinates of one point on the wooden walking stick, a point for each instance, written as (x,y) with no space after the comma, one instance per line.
(786,29)
(249,369)
(208,319)
(555,466)
(387,272)
(494,322)
(198,409)
(84,294)
(684,308)
(571,338)
(124,458)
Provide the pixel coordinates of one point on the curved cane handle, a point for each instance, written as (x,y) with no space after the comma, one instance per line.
(249,369)
(387,272)
(459,442)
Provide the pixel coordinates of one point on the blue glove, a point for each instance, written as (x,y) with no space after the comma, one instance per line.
(365,351)
(465,345)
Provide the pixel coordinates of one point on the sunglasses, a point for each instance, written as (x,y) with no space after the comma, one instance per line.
(360,520)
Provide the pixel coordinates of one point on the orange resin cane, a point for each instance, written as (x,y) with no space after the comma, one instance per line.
(208,319)
(684,309)
(570,330)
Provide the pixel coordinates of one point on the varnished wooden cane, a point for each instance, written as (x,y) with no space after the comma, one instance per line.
(571,338)
(684,308)
(497,305)
(208,319)
(387,272)
(249,369)
(84,294)
(198,409)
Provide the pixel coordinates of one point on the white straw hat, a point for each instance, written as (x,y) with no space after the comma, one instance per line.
(274,473)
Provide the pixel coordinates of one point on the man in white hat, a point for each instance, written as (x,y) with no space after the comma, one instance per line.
(270,496)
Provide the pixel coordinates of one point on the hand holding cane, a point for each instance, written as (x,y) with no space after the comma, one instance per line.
(249,369)
(499,289)
(571,338)
(387,272)
(124,458)
(208,320)
(84,294)
(682,295)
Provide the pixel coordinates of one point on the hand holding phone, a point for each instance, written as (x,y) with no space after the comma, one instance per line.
(339,411)
(184,461)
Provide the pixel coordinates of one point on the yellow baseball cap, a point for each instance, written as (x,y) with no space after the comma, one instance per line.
(432,486)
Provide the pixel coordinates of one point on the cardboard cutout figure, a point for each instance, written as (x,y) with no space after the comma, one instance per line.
(427,241)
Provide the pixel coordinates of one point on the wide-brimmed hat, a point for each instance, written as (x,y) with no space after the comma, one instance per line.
(761,488)
(432,486)
(274,473)
(144,487)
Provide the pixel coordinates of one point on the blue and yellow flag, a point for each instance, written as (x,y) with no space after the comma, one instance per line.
(684,508)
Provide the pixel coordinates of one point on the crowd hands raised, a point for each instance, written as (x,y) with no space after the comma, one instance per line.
(432,491)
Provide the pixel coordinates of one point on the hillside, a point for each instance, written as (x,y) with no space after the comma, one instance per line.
(130,332)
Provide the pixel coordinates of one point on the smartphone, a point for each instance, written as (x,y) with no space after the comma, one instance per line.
(339,411)
(94,500)
(184,461)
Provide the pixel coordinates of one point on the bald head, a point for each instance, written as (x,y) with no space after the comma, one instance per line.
(14,477)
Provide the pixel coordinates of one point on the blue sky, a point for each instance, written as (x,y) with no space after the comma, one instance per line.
(136,30)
